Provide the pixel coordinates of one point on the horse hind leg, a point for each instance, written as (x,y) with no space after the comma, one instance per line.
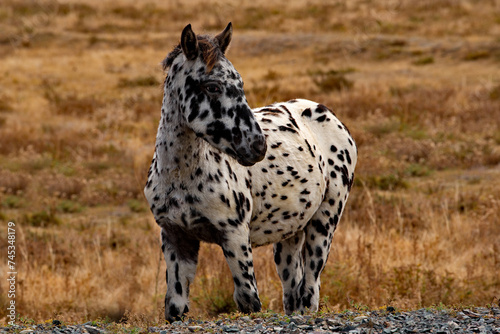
(289,264)
(181,256)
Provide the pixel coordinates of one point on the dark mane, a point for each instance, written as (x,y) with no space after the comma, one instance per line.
(210,52)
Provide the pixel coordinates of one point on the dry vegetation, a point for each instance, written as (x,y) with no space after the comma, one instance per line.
(417,82)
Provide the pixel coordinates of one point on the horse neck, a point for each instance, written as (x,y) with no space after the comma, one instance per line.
(177,147)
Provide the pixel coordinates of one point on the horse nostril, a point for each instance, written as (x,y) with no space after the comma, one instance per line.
(259,145)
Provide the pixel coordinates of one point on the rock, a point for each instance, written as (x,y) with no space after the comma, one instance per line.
(230,329)
(298,319)
(92,329)
(195,328)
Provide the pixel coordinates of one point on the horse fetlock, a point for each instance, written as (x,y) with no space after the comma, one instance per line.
(174,311)
(247,301)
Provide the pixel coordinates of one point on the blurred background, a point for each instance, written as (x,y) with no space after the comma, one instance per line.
(416,82)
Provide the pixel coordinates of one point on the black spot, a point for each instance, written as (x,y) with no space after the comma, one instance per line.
(286,128)
(333,148)
(348,157)
(218,130)
(321,118)
(236,281)
(310,149)
(201,220)
(178,288)
(321,109)
(306,113)
(228,253)
(320,228)
(319,251)
(286,274)
(277,253)
(318,269)
(292,120)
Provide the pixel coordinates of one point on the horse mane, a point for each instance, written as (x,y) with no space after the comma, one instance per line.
(210,52)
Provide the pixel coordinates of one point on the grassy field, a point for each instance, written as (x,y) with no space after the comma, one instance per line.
(416,82)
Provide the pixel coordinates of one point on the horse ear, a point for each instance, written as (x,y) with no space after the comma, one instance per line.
(189,43)
(224,38)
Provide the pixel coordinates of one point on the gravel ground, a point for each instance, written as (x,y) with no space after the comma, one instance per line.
(476,320)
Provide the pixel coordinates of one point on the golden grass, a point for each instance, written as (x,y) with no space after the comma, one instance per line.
(416,83)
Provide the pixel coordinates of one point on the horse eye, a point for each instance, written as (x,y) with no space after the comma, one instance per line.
(213,88)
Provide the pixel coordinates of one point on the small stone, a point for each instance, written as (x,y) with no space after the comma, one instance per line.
(298,319)
(333,322)
(305,327)
(453,325)
(27,331)
(360,318)
(92,329)
(195,328)
(245,318)
(163,332)
(230,329)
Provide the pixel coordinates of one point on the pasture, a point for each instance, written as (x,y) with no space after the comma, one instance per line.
(416,82)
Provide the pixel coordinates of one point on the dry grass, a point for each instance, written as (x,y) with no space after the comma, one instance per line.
(416,83)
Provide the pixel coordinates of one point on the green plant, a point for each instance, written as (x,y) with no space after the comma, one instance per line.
(137,206)
(417,170)
(476,55)
(69,206)
(42,218)
(13,202)
(423,61)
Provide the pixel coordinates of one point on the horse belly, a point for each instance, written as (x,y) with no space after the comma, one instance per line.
(287,189)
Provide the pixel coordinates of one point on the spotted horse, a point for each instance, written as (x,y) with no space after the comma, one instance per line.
(240,178)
